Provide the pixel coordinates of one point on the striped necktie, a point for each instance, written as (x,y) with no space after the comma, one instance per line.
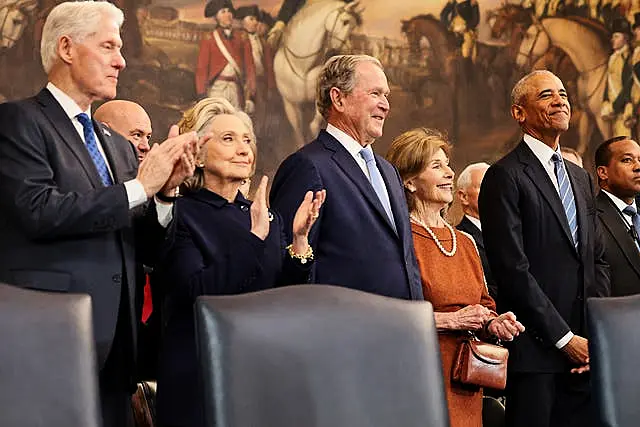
(378,184)
(635,223)
(566,195)
(92,147)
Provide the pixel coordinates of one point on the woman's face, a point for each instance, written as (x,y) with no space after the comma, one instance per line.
(434,184)
(229,157)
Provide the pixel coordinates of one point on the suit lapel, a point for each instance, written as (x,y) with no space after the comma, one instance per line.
(542,181)
(475,232)
(396,194)
(578,186)
(347,163)
(614,225)
(69,135)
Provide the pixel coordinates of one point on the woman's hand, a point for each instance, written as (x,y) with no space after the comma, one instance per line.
(260,211)
(505,326)
(306,216)
(471,317)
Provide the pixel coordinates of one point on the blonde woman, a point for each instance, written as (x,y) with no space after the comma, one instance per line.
(223,244)
(450,267)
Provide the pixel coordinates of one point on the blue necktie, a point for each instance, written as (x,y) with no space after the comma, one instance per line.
(635,220)
(566,195)
(378,184)
(92,147)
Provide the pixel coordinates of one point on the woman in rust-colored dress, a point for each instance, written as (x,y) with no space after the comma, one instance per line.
(451,270)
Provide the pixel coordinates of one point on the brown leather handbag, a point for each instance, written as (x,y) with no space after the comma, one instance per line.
(480,363)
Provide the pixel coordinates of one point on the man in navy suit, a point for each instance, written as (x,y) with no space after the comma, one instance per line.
(547,256)
(74,205)
(362,239)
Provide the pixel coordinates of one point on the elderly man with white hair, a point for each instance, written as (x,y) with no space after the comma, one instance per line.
(73,201)
(468,189)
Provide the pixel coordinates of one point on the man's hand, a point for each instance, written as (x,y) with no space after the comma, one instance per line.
(577,350)
(185,167)
(158,165)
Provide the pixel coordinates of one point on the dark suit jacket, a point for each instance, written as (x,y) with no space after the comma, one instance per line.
(620,251)
(212,252)
(470,228)
(540,275)
(354,243)
(62,230)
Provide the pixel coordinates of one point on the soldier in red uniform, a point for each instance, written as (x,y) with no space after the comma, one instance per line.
(262,54)
(225,62)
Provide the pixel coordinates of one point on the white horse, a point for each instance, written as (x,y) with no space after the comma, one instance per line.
(588,51)
(13,20)
(320,26)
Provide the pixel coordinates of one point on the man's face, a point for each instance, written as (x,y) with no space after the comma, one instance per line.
(224,17)
(365,109)
(621,177)
(136,127)
(469,196)
(618,40)
(250,24)
(96,61)
(546,108)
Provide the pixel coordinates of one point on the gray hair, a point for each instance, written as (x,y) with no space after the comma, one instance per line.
(76,19)
(464,179)
(199,118)
(340,72)
(520,89)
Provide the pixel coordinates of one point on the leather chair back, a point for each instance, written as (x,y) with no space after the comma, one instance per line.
(614,351)
(47,360)
(321,356)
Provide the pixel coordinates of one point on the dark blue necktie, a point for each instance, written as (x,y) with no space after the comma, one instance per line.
(378,184)
(92,147)
(566,195)
(635,221)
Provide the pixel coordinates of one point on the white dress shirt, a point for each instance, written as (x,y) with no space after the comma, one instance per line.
(621,204)
(352,146)
(474,221)
(544,154)
(134,189)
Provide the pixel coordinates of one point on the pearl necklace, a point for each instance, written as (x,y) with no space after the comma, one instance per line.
(435,239)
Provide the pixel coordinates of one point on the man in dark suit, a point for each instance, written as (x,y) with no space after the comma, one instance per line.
(618,169)
(73,202)
(546,254)
(468,189)
(362,239)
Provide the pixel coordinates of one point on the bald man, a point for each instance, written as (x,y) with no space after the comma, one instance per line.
(129,120)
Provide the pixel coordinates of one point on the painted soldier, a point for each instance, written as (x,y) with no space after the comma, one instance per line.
(616,106)
(462,19)
(251,17)
(225,63)
(635,66)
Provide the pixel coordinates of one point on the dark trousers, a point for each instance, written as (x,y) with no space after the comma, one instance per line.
(549,400)
(116,378)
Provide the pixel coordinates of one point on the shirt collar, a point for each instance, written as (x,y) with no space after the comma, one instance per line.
(542,151)
(68,105)
(620,204)
(350,144)
(474,221)
(211,198)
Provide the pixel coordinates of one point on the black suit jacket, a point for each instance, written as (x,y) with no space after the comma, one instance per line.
(541,277)
(355,245)
(621,251)
(62,230)
(470,228)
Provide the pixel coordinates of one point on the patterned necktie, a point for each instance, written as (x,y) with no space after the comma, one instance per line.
(378,184)
(635,220)
(92,147)
(566,195)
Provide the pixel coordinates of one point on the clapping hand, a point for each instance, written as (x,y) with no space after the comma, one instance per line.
(505,326)
(260,211)
(306,216)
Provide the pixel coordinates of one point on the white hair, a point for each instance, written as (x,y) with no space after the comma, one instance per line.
(464,179)
(76,19)
(520,89)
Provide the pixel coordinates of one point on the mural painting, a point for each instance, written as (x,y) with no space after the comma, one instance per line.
(450,64)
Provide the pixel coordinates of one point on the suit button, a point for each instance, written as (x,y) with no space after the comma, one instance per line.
(244,208)
(116,278)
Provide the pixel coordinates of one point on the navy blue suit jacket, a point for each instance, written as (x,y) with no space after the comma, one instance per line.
(541,276)
(211,252)
(354,243)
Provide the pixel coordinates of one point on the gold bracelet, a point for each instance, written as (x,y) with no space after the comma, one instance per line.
(304,258)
